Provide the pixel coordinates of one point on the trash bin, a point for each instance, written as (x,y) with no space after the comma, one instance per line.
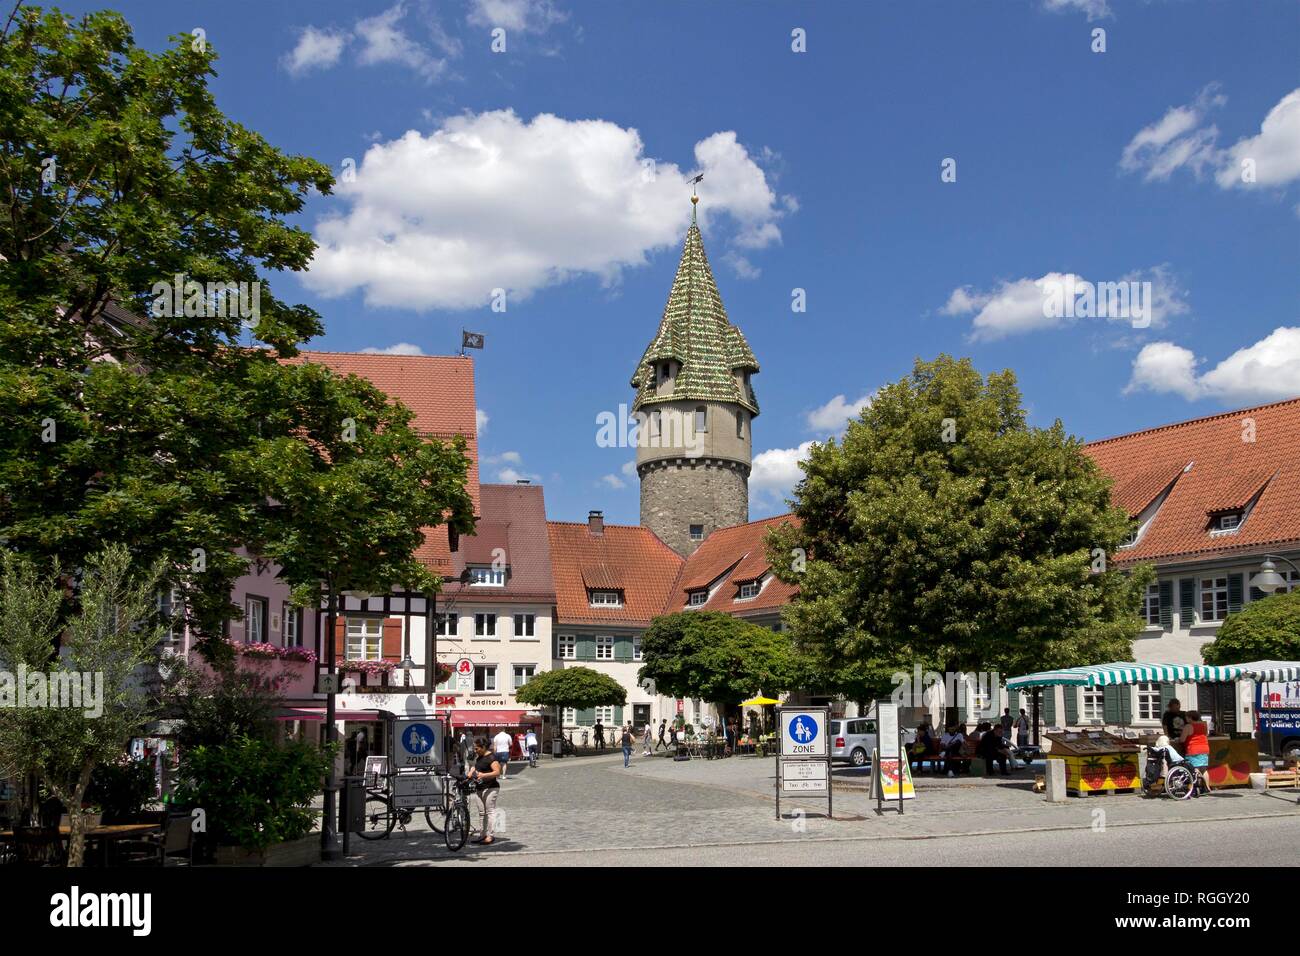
(557,747)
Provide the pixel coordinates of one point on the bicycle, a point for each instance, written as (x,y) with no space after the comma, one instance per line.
(382,817)
(456,823)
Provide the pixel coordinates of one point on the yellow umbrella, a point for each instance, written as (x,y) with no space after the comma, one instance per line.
(760,702)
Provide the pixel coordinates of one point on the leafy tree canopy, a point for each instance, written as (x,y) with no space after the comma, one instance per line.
(945,531)
(1264,630)
(716,657)
(576,687)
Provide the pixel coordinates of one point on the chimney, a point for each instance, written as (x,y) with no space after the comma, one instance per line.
(523,481)
(596,522)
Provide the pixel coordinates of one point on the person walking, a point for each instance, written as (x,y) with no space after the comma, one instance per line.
(501,750)
(487,768)
(1022,729)
(663,729)
(626,739)
(648,738)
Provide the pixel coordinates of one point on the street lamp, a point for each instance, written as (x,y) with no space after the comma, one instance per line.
(407,666)
(1268,580)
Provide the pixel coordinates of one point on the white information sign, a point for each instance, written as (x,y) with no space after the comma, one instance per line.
(417,743)
(802,776)
(417,789)
(887,728)
(803,733)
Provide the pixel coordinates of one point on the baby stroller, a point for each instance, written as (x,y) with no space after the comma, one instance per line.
(1181,779)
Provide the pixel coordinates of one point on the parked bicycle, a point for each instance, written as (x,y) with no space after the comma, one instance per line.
(382,816)
(456,823)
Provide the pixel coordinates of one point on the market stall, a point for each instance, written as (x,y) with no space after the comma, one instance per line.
(1096,761)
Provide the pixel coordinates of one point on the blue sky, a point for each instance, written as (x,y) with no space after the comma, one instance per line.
(555,170)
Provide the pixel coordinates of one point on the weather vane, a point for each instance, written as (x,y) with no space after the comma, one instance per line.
(695,198)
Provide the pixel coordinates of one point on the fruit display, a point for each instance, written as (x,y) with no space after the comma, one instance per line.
(1095,760)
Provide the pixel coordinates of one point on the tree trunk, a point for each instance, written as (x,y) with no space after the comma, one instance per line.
(76,816)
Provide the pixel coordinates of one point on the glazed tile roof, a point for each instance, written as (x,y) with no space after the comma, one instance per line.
(731,557)
(513,519)
(622,557)
(439,389)
(695,331)
(1227,471)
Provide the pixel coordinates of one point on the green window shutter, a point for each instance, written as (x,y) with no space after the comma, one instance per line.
(1236,584)
(1110,704)
(1126,705)
(1049,705)
(1187,601)
(1071,705)
(1166,695)
(586,648)
(1167,605)
(618,715)
(623,647)
(587,716)
(1257,595)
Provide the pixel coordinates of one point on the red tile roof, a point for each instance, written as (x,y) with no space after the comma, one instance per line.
(732,556)
(623,557)
(1232,456)
(439,389)
(514,519)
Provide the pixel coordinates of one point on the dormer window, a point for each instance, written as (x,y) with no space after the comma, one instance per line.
(698,598)
(665,372)
(487,577)
(1131,539)
(1226,522)
(749,590)
(606,598)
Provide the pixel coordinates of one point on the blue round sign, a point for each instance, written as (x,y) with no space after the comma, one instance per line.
(418,739)
(802,729)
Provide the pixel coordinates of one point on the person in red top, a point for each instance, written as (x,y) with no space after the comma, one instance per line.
(1196,746)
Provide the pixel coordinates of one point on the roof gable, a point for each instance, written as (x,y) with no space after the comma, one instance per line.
(728,558)
(622,557)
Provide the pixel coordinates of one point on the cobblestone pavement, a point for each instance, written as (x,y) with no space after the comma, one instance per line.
(566,807)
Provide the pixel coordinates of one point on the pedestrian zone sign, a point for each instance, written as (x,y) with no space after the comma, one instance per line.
(417,744)
(803,733)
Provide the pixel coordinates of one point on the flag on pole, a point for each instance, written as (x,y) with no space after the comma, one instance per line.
(470,340)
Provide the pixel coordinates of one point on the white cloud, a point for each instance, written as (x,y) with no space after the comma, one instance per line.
(489,201)
(401,348)
(1266,371)
(613,481)
(316,49)
(1183,138)
(508,476)
(1275,151)
(776,470)
(1176,140)
(509,457)
(1095,9)
(481,420)
(525,16)
(629,468)
(1020,306)
(836,414)
(383,40)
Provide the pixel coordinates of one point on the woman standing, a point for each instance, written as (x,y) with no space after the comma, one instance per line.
(487,768)
(1196,745)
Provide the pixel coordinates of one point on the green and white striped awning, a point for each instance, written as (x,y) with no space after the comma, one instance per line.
(1127,672)
(1272,671)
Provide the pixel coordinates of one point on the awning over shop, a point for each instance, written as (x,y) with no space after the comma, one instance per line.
(1271,671)
(493,718)
(318,713)
(1127,672)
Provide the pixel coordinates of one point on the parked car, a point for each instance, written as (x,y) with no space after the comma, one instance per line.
(853,739)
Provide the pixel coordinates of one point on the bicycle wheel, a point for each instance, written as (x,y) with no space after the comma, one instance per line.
(379,820)
(456,826)
(1179,782)
(434,817)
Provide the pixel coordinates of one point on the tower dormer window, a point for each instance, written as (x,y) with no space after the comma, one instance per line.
(665,371)
(701,418)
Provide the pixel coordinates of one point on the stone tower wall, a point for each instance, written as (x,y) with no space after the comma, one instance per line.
(679,492)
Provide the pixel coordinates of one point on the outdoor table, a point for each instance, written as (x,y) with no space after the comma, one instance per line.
(102,835)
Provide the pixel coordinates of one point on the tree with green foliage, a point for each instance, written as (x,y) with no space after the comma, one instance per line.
(717,658)
(1263,630)
(109,642)
(577,687)
(944,530)
(122,174)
